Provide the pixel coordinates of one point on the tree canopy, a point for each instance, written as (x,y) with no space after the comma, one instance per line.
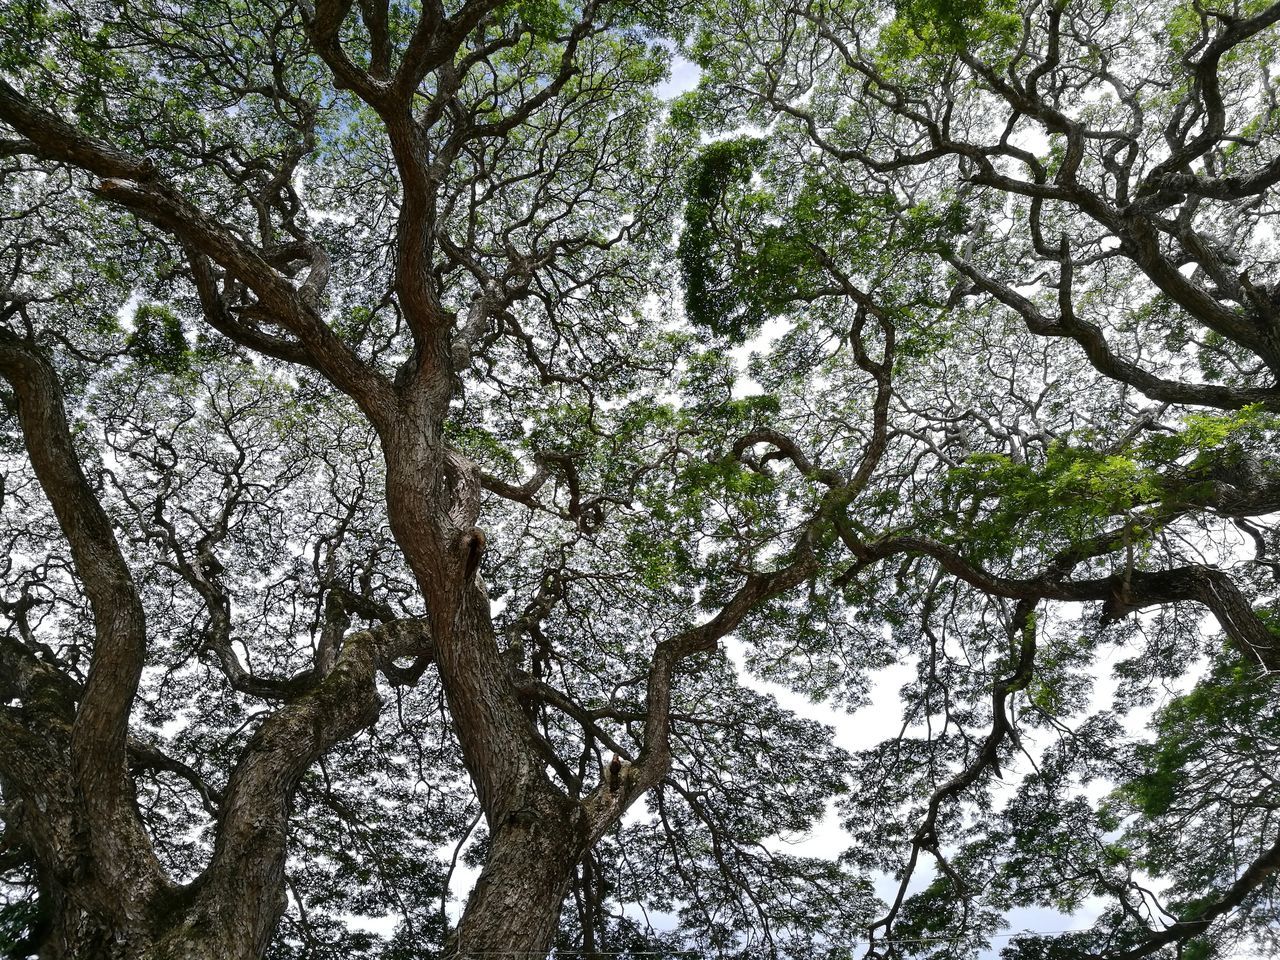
(425,447)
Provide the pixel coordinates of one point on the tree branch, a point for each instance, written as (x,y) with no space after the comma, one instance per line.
(120,850)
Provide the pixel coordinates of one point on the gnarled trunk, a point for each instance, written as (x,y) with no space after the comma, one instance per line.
(515,904)
(538,833)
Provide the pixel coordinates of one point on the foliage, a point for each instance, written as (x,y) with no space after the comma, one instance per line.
(920,364)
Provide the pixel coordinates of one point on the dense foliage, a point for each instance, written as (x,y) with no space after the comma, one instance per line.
(929,338)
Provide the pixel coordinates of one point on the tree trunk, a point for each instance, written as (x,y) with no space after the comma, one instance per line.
(515,904)
(75,934)
(537,832)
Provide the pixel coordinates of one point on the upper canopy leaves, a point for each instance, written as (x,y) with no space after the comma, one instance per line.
(972,399)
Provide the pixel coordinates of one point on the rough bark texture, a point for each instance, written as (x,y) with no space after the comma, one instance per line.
(64,749)
(538,832)
(516,900)
(113,868)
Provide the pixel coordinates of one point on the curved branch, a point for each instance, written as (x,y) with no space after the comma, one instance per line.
(118,844)
(247,870)
(1107,362)
(1266,864)
(1122,593)
(135,184)
(603,808)
(925,837)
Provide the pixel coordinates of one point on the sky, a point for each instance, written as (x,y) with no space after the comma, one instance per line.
(684,77)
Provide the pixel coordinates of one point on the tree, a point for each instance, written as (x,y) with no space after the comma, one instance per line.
(293,289)
(1055,217)
(314,311)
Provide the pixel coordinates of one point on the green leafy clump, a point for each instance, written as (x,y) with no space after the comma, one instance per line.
(1002,504)
(929,28)
(1237,446)
(1229,714)
(157,340)
(711,299)
(1206,435)
(1078,492)
(542,18)
(933,227)
(1198,807)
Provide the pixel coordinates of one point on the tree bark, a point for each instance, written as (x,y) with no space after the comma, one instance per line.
(537,832)
(515,904)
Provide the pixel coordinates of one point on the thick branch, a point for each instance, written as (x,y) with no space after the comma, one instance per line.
(244,882)
(135,184)
(654,759)
(1124,592)
(1202,918)
(118,844)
